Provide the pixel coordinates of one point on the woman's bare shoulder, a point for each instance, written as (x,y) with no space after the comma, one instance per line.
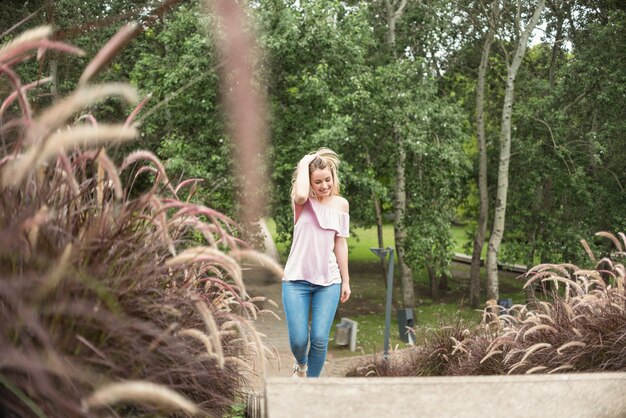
(340,203)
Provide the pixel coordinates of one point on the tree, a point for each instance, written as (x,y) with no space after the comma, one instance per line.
(184,121)
(394,13)
(565,183)
(483,211)
(568,126)
(437,168)
(512,65)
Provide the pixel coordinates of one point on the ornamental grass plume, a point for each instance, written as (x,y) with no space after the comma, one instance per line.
(103,309)
(577,324)
(140,392)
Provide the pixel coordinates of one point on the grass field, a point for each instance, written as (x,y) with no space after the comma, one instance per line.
(362,239)
(371,328)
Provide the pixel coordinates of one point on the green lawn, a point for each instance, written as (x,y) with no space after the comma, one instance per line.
(461,238)
(371,328)
(362,239)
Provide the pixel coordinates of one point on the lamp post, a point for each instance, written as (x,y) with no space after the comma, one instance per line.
(382,253)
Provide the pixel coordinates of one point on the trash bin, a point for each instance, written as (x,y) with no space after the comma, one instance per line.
(406,318)
(342,334)
(345,333)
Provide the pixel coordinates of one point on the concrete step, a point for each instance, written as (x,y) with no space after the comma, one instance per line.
(597,395)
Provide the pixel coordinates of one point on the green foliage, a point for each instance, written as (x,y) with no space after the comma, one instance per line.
(570,139)
(439,171)
(566,172)
(237,410)
(177,64)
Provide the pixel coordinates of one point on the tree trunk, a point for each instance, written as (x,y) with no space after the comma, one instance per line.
(593,166)
(532,240)
(443,282)
(505,154)
(406,276)
(481,229)
(434,286)
(379,224)
(545,205)
(54,77)
(546,195)
(394,12)
(556,47)
(561,10)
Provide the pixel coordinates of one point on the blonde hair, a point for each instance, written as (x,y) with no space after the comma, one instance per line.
(325,158)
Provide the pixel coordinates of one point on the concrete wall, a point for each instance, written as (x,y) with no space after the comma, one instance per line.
(598,395)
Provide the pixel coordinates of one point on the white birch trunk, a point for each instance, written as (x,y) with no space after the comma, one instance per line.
(497,231)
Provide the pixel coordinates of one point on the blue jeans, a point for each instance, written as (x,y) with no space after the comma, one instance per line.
(299,299)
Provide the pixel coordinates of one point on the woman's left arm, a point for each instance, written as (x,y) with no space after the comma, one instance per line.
(341,253)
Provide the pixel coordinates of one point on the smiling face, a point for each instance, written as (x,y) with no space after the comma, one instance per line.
(322,182)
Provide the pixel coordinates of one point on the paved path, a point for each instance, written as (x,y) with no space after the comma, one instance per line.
(584,395)
(274,329)
(260,283)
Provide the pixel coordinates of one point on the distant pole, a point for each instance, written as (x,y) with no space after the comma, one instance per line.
(382,253)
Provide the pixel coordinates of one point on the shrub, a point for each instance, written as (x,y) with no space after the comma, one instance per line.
(108,305)
(578,324)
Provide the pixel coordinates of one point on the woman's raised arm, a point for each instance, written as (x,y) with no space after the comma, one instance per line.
(303,182)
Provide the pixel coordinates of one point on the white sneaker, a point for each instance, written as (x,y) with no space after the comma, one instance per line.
(299,370)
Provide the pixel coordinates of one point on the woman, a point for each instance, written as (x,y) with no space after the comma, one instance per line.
(316,273)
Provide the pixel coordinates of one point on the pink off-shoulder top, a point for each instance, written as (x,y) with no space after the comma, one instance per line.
(312,257)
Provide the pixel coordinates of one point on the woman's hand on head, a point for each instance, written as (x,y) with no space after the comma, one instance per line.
(345,292)
(307,159)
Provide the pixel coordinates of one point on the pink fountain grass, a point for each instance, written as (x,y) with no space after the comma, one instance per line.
(577,324)
(105,304)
